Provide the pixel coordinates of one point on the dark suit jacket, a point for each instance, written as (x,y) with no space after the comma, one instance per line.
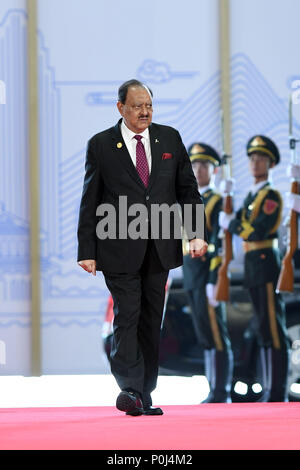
(110,173)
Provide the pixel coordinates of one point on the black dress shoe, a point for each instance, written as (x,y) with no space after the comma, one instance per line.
(151,411)
(130,403)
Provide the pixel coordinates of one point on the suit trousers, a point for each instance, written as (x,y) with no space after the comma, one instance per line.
(138,308)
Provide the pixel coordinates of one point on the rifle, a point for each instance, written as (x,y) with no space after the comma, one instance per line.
(223,282)
(286,277)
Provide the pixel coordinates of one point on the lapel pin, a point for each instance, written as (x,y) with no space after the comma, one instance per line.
(156,141)
(119,145)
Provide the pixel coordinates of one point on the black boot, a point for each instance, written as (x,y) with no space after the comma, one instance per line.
(275,366)
(218,370)
(280,369)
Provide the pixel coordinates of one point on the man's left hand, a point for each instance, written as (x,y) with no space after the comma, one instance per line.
(198,247)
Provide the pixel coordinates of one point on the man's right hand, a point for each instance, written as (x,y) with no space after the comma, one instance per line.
(88,265)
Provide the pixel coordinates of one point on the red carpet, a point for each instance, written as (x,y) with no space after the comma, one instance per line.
(255,426)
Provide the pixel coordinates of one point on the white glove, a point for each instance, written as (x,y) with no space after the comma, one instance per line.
(292,201)
(225,219)
(211,294)
(293,171)
(226,186)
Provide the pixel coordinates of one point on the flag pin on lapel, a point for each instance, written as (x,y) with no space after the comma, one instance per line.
(119,145)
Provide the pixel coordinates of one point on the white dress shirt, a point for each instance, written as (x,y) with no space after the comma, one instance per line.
(131,142)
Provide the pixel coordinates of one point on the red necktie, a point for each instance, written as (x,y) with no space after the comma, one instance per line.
(141,160)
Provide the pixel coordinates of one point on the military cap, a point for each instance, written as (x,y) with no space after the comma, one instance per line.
(200,152)
(262,144)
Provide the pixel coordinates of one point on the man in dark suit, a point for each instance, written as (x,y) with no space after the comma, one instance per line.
(145,165)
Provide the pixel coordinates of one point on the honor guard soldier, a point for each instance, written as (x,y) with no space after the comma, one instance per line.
(199,279)
(257,223)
